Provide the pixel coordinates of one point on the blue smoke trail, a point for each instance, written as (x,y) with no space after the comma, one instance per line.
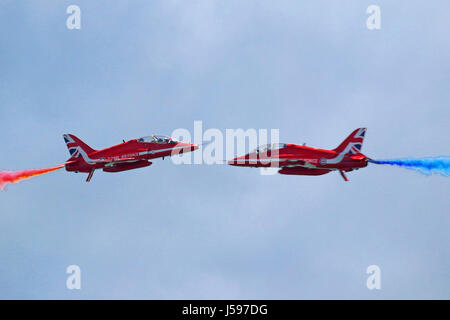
(427,166)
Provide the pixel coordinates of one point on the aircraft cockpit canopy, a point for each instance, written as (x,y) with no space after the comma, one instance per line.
(269,147)
(156,139)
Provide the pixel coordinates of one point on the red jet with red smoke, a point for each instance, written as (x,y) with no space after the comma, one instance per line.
(128,155)
(302,160)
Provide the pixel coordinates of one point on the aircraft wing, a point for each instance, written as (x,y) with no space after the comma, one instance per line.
(296,162)
(292,162)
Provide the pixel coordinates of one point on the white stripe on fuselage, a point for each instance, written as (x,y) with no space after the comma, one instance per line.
(307,164)
(341,155)
(162,150)
(95,161)
(84,156)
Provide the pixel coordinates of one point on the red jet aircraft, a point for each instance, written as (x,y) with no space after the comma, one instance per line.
(302,160)
(128,155)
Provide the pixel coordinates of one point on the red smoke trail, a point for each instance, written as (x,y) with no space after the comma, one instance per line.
(17,176)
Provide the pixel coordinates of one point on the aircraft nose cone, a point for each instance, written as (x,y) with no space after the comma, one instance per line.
(237,161)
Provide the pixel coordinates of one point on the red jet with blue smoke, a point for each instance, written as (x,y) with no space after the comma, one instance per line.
(128,155)
(302,160)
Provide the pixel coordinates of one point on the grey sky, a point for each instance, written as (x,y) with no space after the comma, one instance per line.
(309,68)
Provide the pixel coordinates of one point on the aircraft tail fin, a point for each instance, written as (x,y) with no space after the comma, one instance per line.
(353,143)
(75,145)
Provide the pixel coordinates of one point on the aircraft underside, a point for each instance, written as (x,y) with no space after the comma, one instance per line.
(312,172)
